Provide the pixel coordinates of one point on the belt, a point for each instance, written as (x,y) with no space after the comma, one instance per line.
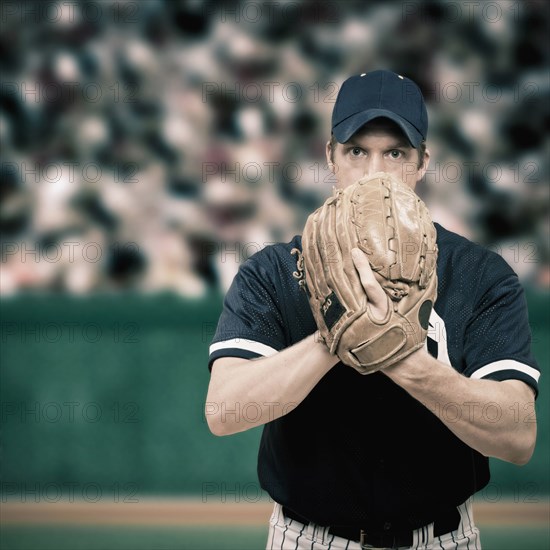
(387,538)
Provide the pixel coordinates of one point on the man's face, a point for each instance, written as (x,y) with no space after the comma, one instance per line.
(379,146)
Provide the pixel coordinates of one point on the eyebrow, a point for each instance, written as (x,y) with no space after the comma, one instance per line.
(394,145)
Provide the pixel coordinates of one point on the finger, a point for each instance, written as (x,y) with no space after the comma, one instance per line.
(375,293)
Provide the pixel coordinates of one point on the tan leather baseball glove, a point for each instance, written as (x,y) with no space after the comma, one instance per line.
(386,219)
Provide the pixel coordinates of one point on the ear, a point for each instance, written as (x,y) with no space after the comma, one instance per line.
(422,170)
(328,151)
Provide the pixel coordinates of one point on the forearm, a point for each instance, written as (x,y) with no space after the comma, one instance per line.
(244,394)
(495,418)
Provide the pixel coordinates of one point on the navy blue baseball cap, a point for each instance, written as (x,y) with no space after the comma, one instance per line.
(380,94)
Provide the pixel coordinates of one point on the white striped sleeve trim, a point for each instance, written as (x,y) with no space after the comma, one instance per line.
(507,364)
(241,343)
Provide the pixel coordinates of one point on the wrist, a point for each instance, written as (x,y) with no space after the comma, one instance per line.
(420,371)
(321,346)
(415,366)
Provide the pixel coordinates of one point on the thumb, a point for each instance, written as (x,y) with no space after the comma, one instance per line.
(375,293)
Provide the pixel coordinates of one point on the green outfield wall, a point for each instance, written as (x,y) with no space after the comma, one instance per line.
(106,394)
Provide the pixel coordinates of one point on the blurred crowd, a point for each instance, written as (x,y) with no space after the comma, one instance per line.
(155,145)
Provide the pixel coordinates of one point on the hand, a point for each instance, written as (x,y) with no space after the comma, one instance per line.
(376,295)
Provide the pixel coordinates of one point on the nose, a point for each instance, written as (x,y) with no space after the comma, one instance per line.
(373,164)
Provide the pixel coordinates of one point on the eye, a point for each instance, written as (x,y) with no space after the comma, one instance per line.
(396,154)
(355,151)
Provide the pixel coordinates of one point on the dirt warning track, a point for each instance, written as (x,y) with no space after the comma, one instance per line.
(182,512)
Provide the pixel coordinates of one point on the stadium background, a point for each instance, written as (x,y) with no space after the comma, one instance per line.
(150,147)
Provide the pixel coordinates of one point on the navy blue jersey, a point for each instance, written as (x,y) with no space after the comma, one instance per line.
(359,450)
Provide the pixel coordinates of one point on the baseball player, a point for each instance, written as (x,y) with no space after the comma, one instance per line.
(391,459)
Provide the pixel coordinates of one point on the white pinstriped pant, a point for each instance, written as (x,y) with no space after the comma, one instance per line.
(288,534)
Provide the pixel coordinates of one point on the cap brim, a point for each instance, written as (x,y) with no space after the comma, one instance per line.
(345,129)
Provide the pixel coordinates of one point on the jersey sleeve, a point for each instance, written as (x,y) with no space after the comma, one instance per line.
(251,323)
(498,336)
